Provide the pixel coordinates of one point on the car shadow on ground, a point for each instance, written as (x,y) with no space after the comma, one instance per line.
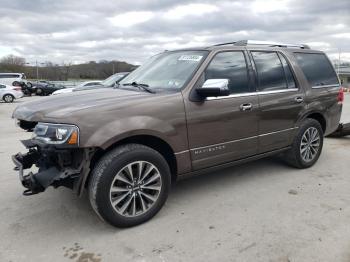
(80,213)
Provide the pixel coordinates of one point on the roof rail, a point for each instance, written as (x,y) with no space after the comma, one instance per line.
(266,43)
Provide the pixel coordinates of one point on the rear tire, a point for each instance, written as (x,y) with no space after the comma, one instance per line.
(307,145)
(129,185)
(8,98)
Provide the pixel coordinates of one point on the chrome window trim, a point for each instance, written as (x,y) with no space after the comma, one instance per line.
(323,86)
(254,93)
(278,91)
(232,96)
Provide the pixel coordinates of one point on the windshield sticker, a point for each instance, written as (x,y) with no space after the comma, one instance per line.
(195,58)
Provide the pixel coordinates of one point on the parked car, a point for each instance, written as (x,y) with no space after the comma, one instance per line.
(27,90)
(109,82)
(81,85)
(44,89)
(182,112)
(14,79)
(10,93)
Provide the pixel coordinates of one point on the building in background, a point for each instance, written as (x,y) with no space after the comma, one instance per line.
(344,75)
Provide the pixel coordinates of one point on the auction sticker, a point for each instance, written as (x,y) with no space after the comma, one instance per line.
(195,58)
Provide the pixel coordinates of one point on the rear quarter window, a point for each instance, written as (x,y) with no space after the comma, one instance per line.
(317,69)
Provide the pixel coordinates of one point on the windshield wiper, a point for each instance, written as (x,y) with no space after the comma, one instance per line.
(141,86)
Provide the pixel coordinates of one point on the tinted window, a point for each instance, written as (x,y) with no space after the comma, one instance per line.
(2,86)
(231,66)
(287,72)
(5,76)
(317,69)
(271,74)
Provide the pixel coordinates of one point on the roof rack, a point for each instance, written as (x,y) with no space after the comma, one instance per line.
(265,43)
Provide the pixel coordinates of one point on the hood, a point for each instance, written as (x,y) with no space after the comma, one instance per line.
(66,105)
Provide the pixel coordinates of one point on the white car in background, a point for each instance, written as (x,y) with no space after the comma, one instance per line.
(10,93)
(13,79)
(83,84)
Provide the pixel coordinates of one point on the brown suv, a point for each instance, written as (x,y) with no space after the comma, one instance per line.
(182,112)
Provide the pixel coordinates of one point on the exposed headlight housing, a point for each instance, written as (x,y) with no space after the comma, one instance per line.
(56,134)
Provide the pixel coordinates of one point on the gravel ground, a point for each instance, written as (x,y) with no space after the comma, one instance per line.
(261,211)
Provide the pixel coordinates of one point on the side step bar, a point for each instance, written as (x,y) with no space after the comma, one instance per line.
(342,130)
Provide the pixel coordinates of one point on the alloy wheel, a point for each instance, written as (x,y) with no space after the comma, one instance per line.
(135,188)
(310,144)
(8,98)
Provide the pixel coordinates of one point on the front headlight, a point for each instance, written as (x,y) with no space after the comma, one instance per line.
(56,133)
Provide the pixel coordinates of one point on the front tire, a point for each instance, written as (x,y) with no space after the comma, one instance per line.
(129,185)
(307,145)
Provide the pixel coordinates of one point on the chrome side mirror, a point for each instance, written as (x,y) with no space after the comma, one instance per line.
(214,88)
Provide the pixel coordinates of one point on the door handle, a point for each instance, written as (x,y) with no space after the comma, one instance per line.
(299,99)
(245,107)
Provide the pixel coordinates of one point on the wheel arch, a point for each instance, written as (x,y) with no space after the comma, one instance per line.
(318,116)
(152,141)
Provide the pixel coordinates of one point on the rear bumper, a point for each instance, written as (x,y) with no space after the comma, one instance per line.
(18,94)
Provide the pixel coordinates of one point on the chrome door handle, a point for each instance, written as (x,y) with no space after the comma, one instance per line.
(299,99)
(245,107)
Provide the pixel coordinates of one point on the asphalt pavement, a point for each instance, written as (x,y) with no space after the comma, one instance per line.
(260,211)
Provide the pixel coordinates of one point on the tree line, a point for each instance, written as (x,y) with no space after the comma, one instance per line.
(65,71)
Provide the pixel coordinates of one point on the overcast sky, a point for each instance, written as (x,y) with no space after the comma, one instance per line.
(79,31)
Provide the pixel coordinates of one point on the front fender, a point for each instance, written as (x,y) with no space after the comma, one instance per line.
(119,129)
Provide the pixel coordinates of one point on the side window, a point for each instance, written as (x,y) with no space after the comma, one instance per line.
(317,69)
(288,72)
(231,66)
(271,74)
(2,86)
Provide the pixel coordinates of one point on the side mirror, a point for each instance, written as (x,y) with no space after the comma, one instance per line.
(214,87)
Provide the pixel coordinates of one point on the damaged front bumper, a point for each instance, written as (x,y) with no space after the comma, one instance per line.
(67,167)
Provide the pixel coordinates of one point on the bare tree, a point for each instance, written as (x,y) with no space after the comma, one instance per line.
(12,63)
(13,60)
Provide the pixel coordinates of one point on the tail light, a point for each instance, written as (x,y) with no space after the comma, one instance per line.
(340,97)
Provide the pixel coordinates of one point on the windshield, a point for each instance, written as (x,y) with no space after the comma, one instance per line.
(168,70)
(110,81)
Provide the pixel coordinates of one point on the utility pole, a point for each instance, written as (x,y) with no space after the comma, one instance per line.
(37,70)
(339,51)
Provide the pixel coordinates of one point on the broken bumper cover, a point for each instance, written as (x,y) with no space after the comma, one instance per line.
(35,183)
(57,167)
